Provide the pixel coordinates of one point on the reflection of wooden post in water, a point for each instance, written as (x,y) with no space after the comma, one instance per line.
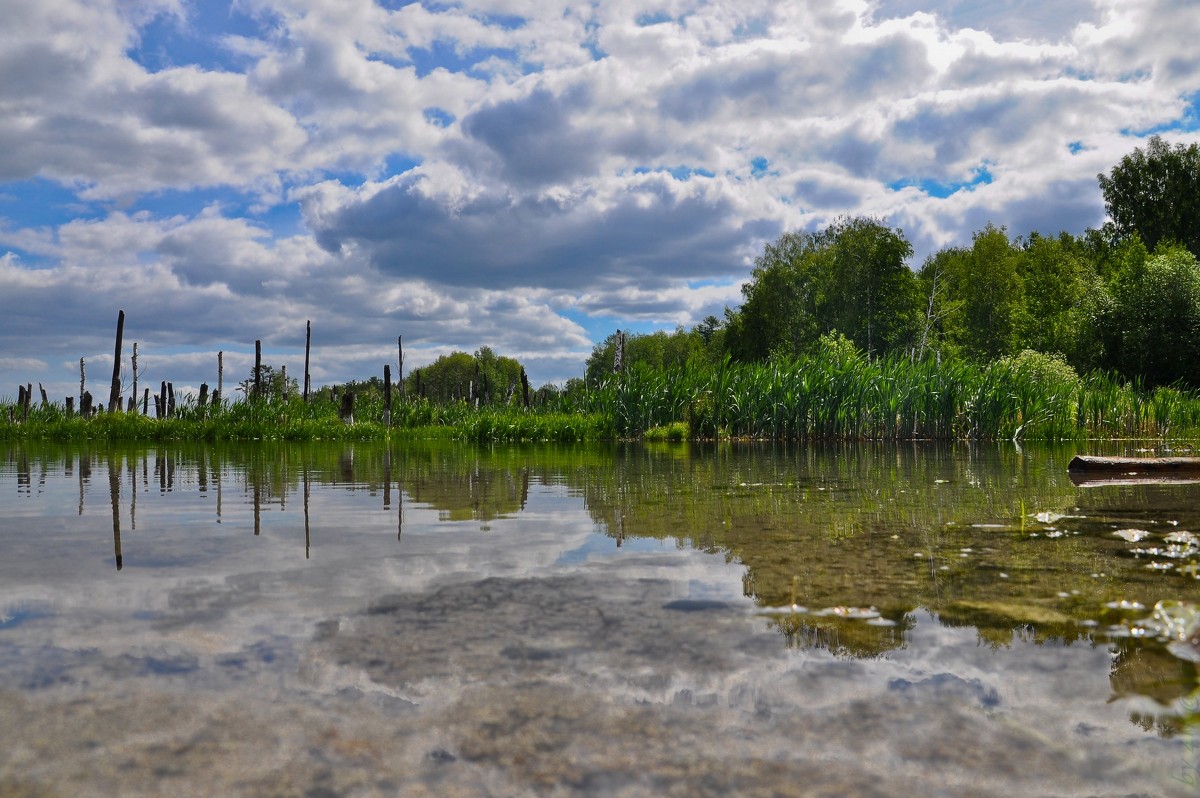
(216,469)
(85,473)
(132,493)
(257,508)
(307,539)
(114,492)
(387,478)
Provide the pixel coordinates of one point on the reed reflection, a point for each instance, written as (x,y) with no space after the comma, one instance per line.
(841,548)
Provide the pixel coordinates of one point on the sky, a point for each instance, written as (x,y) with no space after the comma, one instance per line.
(529,176)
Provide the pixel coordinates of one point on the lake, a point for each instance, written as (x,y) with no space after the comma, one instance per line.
(735,619)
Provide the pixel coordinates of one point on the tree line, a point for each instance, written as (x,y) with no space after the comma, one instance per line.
(1124,298)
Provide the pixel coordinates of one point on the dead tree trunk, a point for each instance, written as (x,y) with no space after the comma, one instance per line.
(307,349)
(134,391)
(257,369)
(346,412)
(387,395)
(114,393)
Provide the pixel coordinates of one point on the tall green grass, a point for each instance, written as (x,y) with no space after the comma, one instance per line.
(836,394)
(839,395)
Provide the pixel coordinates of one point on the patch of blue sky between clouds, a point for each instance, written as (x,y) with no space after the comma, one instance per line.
(680,173)
(649,20)
(439,116)
(981,177)
(599,327)
(394,164)
(760,167)
(167,41)
(283,219)
(444,54)
(38,202)
(1188,122)
(1076,147)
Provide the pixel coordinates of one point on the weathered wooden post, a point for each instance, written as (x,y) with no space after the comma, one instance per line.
(525,387)
(45,399)
(203,400)
(85,405)
(257,369)
(70,406)
(145,401)
(283,380)
(82,380)
(28,400)
(161,405)
(387,395)
(307,348)
(346,412)
(134,392)
(170,400)
(400,363)
(21,401)
(220,374)
(114,393)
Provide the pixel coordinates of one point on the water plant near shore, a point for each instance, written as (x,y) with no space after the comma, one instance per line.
(835,393)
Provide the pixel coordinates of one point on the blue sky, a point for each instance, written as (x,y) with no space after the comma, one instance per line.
(522,175)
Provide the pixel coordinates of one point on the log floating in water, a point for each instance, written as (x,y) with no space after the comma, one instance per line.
(1124,465)
(1088,470)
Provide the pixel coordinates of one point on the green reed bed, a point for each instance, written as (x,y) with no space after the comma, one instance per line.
(270,419)
(845,396)
(835,394)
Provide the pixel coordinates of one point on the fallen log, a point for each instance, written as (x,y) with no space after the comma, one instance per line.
(1085,469)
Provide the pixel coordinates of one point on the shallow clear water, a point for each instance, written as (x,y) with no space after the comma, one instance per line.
(435,619)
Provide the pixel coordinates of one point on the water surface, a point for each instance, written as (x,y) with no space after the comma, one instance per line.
(435,619)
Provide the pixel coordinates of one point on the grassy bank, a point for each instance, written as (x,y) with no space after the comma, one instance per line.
(836,394)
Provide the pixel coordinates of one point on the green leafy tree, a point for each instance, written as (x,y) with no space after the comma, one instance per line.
(1056,279)
(658,350)
(984,285)
(272,383)
(458,376)
(851,277)
(1154,318)
(872,296)
(1155,194)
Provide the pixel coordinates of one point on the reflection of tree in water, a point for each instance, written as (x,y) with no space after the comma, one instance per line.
(892,527)
(843,637)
